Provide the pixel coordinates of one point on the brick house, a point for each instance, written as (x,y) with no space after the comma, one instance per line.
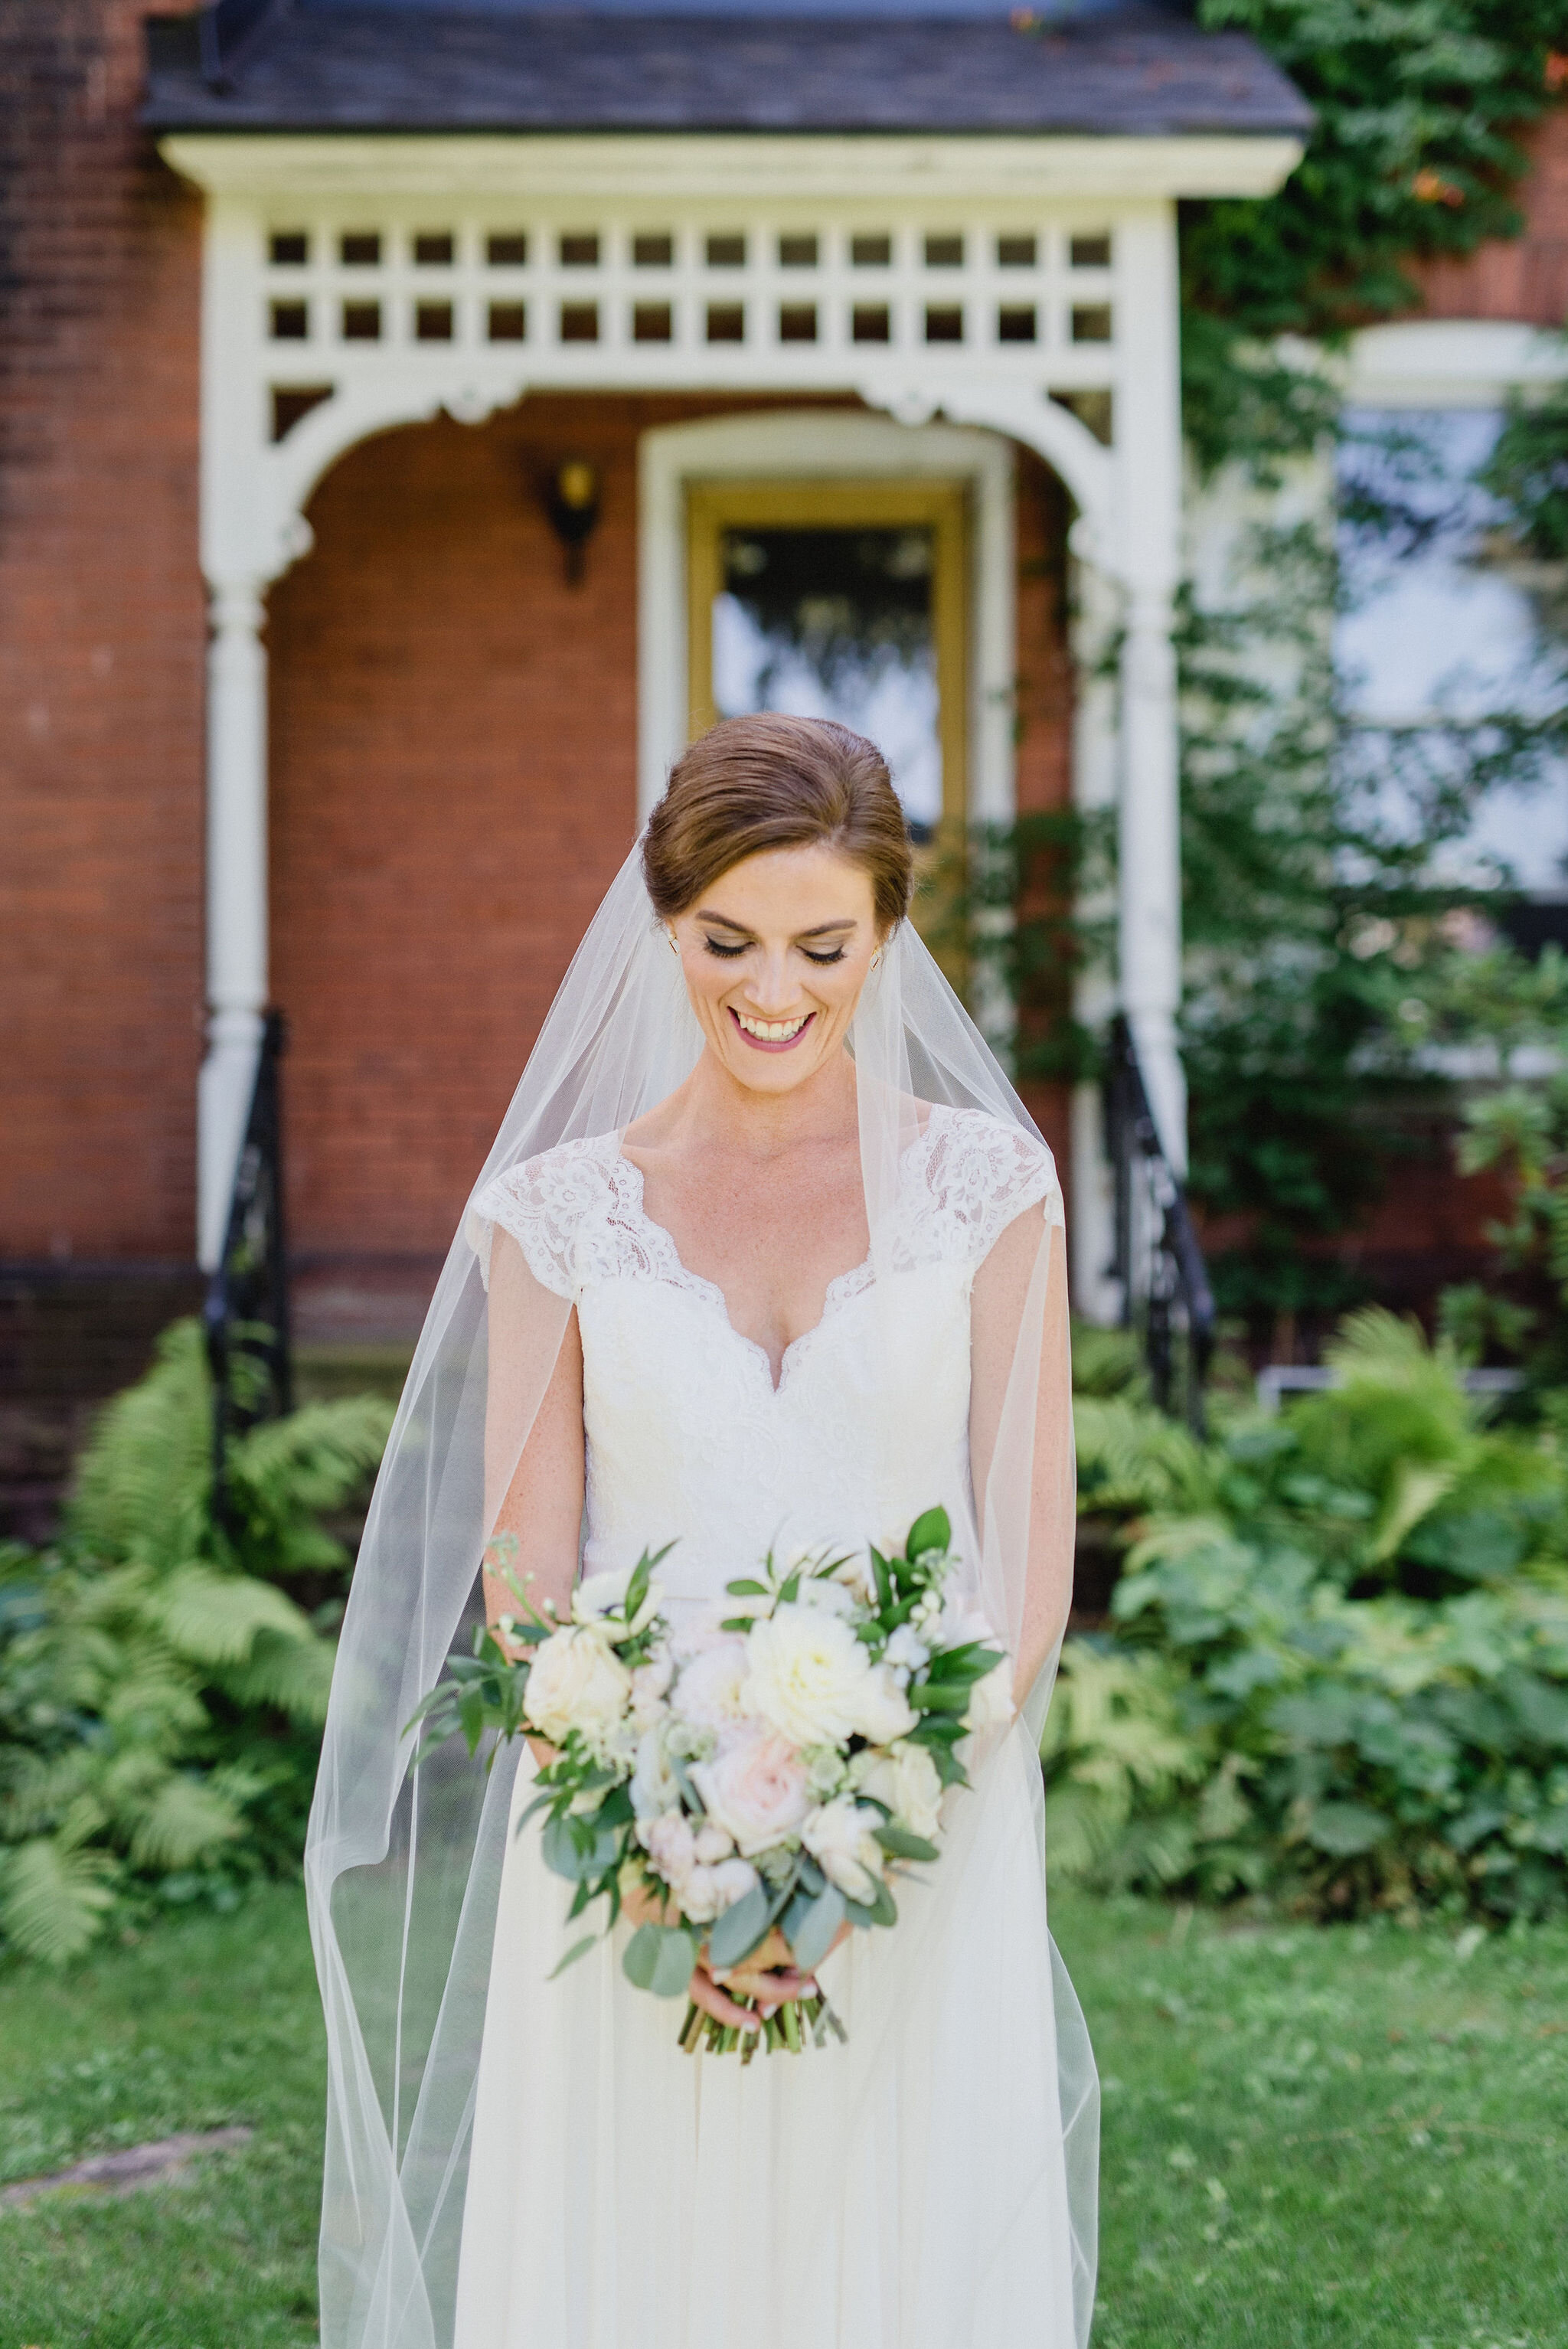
(332,328)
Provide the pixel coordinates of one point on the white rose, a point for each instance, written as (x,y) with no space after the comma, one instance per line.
(991,1700)
(650,1686)
(598,1594)
(753,1787)
(576,1683)
(832,1597)
(707,1692)
(654,1787)
(732,1880)
(707,1892)
(670,1845)
(808,1675)
(906,1778)
(883,1711)
(713,1844)
(699,1895)
(839,1836)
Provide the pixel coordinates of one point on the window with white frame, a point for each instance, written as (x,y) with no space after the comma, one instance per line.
(1450,653)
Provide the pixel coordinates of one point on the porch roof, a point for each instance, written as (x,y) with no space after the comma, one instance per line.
(1137,71)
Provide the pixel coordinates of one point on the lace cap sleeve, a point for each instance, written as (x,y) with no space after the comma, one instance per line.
(544,1203)
(984,1173)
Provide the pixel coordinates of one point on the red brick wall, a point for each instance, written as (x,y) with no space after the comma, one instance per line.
(453,763)
(1526,277)
(101,649)
(454,783)
(1045,699)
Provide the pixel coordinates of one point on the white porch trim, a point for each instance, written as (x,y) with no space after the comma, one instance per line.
(1052,260)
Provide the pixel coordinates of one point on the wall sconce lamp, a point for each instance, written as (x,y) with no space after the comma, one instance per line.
(572,502)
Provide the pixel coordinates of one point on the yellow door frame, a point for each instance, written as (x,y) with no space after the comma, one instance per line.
(941,506)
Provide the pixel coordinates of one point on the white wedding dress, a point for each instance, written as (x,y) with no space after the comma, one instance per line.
(909,2190)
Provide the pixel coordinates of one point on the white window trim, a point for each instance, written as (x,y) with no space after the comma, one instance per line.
(1450,363)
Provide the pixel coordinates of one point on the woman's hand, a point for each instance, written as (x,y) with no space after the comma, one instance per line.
(769,1975)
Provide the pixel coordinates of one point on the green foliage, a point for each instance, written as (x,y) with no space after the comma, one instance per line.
(161,1692)
(1415,151)
(1307,917)
(1527,472)
(1340,1663)
(1310,922)
(1326,952)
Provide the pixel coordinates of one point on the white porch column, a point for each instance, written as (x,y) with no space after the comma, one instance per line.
(1149,924)
(236,895)
(1148,441)
(1097,768)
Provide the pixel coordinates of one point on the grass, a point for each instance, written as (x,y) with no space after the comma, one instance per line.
(206,2022)
(1348,2136)
(1351,2137)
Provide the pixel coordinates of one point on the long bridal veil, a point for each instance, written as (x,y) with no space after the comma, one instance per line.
(403,1866)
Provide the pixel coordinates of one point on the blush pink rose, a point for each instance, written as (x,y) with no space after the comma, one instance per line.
(755,1787)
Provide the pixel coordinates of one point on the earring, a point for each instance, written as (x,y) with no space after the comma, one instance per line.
(876,958)
(674,942)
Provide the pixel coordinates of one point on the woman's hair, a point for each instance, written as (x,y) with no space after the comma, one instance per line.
(771,781)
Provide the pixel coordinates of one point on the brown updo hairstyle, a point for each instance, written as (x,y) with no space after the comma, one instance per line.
(771,781)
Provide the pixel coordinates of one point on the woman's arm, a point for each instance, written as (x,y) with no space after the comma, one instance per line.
(535,1447)
(1024,1280)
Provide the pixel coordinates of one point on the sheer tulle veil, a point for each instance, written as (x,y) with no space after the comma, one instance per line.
(403,1867)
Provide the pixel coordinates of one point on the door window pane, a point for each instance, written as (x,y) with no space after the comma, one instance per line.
(837,623)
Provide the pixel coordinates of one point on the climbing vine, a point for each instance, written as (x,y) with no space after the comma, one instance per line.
(1416,151)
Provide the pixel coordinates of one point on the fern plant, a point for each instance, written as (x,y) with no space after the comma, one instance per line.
(1339,1665)
(162,1681)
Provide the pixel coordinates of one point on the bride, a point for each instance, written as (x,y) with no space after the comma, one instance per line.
(767,1254)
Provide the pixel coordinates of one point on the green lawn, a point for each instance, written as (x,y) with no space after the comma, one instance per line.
(1356,2136)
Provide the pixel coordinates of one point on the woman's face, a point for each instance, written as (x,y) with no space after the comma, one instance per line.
(775,954)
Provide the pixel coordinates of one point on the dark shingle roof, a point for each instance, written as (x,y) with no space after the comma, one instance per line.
(1134,71)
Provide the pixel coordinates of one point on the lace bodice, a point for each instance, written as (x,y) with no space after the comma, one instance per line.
(687,1438)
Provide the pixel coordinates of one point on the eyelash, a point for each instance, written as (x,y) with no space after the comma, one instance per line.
(728,954)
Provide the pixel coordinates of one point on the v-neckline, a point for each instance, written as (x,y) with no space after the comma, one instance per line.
(838,1290)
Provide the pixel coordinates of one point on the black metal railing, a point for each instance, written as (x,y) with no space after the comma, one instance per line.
(246,1315)
(1157,1261)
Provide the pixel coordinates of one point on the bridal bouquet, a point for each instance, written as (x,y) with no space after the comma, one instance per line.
(779,1762)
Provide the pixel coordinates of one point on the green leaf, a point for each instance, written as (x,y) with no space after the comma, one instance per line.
(926,1697)
(737,1932)
(902,1845)
(660,1959)
(579,1949)
(52,1901)
(882,1574)
(811,1925)
(576,1847)
(746,1590)
(880,1909)
(930,1530)
(1346,1829)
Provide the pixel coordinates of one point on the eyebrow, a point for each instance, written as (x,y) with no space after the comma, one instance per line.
(723,922)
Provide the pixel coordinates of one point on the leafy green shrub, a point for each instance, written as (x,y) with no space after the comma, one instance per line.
(1350,1631)
(161,1692)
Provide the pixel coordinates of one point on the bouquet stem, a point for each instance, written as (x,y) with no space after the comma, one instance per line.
(785,2028)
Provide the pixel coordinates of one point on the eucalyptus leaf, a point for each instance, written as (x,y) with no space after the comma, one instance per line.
(902,1845)
(812,1938)
(660,1959)
(736,1933)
